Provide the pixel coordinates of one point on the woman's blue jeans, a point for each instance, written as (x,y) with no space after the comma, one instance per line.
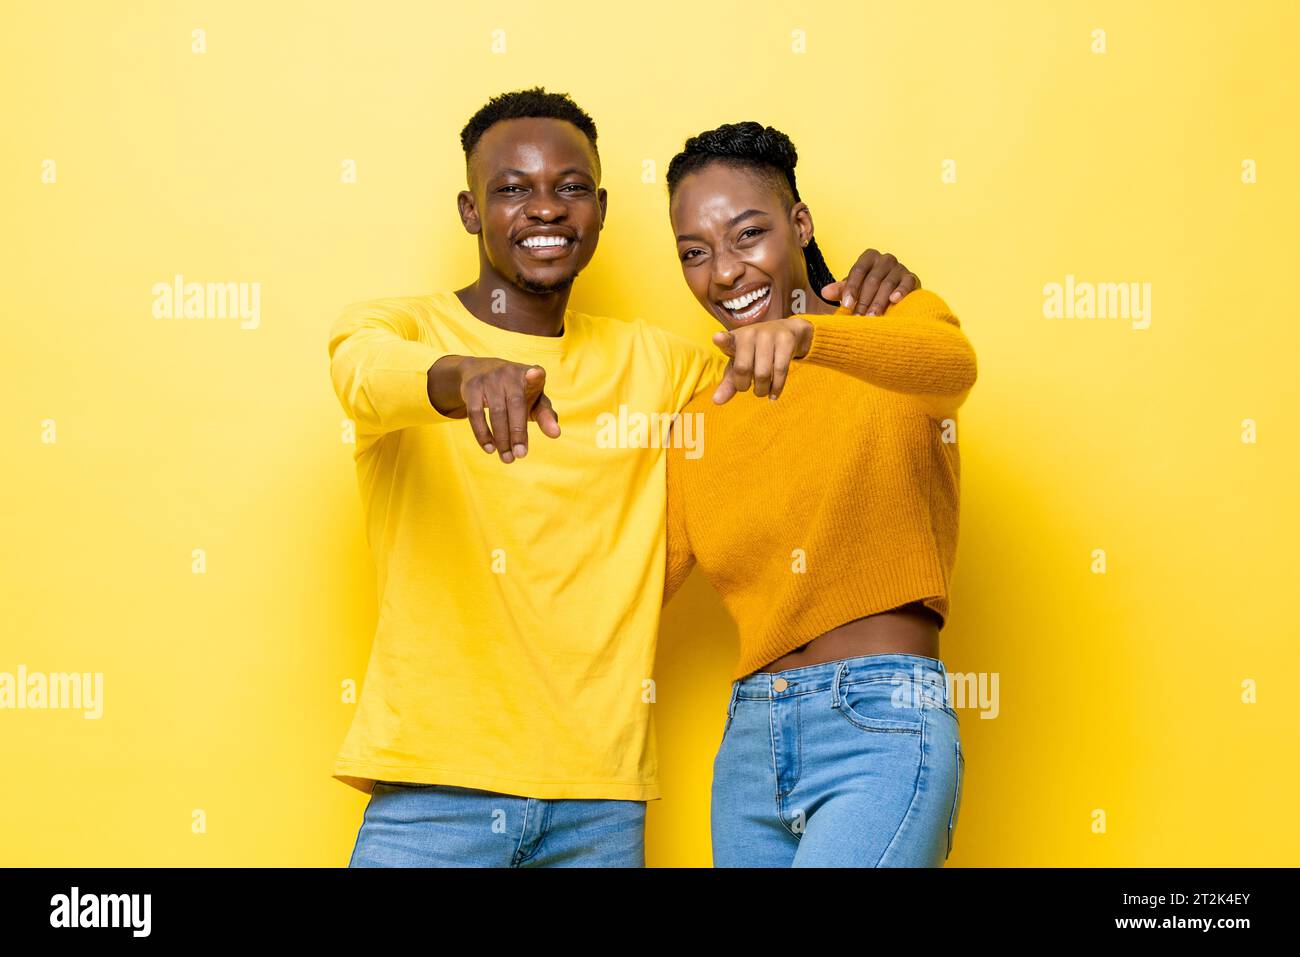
(851,763)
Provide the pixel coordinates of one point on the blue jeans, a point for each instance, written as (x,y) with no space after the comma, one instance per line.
(436,825)
(851,763)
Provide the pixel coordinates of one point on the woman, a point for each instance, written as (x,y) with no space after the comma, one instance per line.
(828,523)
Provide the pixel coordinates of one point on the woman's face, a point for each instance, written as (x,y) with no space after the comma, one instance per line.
(741,250)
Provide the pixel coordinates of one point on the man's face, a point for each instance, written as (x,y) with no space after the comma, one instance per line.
(534,202)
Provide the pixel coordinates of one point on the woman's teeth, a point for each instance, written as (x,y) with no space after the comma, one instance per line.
(758,299)
(545,242)
(741,302)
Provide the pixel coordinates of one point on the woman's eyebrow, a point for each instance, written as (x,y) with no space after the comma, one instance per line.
(743,216)
(731,223)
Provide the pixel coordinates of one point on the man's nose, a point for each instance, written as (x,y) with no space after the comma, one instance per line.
(546,207)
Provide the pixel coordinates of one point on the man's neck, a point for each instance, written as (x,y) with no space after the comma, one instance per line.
(500,303)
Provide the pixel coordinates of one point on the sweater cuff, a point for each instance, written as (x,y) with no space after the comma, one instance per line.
(836,341)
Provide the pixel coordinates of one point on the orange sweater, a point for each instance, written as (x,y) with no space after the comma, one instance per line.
(838,500)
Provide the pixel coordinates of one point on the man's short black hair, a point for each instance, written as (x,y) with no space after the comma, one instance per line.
(521,104)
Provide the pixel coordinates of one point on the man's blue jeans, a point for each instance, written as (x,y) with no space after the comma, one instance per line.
(852,763)
(436,825)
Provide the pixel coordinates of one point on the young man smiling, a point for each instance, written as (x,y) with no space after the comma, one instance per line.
(503,720)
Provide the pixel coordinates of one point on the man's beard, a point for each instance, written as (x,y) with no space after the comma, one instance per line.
(543,288)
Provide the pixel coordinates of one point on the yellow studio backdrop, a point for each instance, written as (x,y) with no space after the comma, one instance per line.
(180,504)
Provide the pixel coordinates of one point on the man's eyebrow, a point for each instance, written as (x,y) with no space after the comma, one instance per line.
(567,171)
(740,217)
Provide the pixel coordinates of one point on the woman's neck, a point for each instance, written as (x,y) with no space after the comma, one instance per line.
(817,306)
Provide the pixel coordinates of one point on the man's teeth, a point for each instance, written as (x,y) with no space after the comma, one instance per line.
(542,242)
(742,301)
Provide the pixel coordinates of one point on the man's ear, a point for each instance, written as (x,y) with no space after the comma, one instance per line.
(801,220)
(468,212)
(603,197)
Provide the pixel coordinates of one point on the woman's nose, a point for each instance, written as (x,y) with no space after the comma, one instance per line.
(726,270)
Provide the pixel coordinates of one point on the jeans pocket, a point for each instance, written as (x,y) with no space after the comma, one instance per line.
(731,709)
(956,799)
(874,706)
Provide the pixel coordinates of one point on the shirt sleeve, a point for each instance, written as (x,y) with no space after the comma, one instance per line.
(380,367)
(680,557)
(917,347)
(692,367)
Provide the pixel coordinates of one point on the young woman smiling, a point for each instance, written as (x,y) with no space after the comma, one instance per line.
(826,520)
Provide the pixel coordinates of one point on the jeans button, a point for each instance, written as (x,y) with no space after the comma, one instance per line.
(779,685)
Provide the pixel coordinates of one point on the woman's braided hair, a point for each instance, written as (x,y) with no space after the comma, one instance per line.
(753,145)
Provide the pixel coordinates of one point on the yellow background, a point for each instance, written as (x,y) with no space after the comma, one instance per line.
(1119,692)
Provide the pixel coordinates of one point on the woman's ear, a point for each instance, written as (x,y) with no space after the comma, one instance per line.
(801,220)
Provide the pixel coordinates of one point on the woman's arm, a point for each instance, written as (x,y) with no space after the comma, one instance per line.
(917,347)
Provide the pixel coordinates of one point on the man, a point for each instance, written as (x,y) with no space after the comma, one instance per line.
(505,715)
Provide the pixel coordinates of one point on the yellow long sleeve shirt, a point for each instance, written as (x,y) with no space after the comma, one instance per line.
(838,500)
(518,604)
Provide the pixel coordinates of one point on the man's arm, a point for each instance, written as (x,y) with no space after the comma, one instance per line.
(691,367)
(680,558)
(388,379)
(876,280)
(380,367)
